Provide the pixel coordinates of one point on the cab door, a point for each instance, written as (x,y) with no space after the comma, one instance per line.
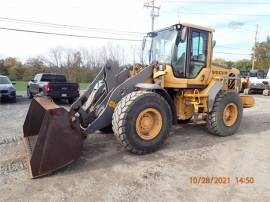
(198,60)
(191,59)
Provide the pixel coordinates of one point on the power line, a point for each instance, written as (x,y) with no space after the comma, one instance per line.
(218,14)
(220,2)
(94,37)
(198,12)
(229,53)
(67,26)
(69,35)
(228,47)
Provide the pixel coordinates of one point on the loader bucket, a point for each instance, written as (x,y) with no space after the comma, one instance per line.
(51,139)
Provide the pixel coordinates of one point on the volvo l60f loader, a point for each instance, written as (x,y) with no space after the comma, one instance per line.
(141,102)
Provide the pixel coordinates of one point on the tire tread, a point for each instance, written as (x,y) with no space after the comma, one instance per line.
(212,122)
(120,118)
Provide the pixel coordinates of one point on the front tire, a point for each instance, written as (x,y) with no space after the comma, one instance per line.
(142,121)
(226,115)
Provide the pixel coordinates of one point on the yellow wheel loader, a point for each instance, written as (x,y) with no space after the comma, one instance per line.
(141,102)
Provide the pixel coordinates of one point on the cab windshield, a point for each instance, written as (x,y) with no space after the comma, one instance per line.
(53,78)
(162,46)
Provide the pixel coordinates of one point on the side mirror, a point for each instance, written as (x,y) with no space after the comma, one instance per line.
(152,34)
(214,43)
(13,83)
(183,35)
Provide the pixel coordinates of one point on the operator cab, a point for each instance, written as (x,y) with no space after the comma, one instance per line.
(184,47)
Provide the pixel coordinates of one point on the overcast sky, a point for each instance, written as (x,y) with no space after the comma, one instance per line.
(233,42)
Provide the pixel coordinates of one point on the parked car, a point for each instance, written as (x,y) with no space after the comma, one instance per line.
(54,85)
(256,82)
(7,89)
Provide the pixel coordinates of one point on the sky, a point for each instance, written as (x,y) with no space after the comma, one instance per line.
(234,21)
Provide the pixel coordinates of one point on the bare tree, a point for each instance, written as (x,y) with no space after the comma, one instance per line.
(55,57)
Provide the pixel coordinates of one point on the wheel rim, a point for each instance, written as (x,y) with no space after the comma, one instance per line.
(148,123)
(230,114)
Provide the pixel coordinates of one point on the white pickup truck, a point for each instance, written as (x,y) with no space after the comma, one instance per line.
(257,83)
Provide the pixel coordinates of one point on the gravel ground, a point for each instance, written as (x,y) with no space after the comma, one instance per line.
(106,172)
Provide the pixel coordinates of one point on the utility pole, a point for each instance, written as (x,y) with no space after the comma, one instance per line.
(154,12)
(254,47)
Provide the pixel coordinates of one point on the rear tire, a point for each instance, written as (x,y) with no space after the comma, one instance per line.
(226,115)
(142,121)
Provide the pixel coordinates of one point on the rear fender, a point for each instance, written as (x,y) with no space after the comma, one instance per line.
(213,89)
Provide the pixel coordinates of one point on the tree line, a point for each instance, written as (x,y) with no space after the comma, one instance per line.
(262,58)
(242,65)
(80,65)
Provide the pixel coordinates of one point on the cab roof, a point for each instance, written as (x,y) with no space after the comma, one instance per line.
(198,27)
(187,25)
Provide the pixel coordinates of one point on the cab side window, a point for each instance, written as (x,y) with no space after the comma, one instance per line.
(198,54)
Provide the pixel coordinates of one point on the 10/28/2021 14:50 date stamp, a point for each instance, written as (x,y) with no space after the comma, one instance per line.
(221,180)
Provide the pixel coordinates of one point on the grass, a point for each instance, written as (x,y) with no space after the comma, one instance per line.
(83,86)
(21,85)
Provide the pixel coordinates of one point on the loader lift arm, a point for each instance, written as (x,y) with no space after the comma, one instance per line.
(116,87)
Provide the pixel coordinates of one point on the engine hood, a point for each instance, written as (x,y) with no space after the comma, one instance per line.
(6,87)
